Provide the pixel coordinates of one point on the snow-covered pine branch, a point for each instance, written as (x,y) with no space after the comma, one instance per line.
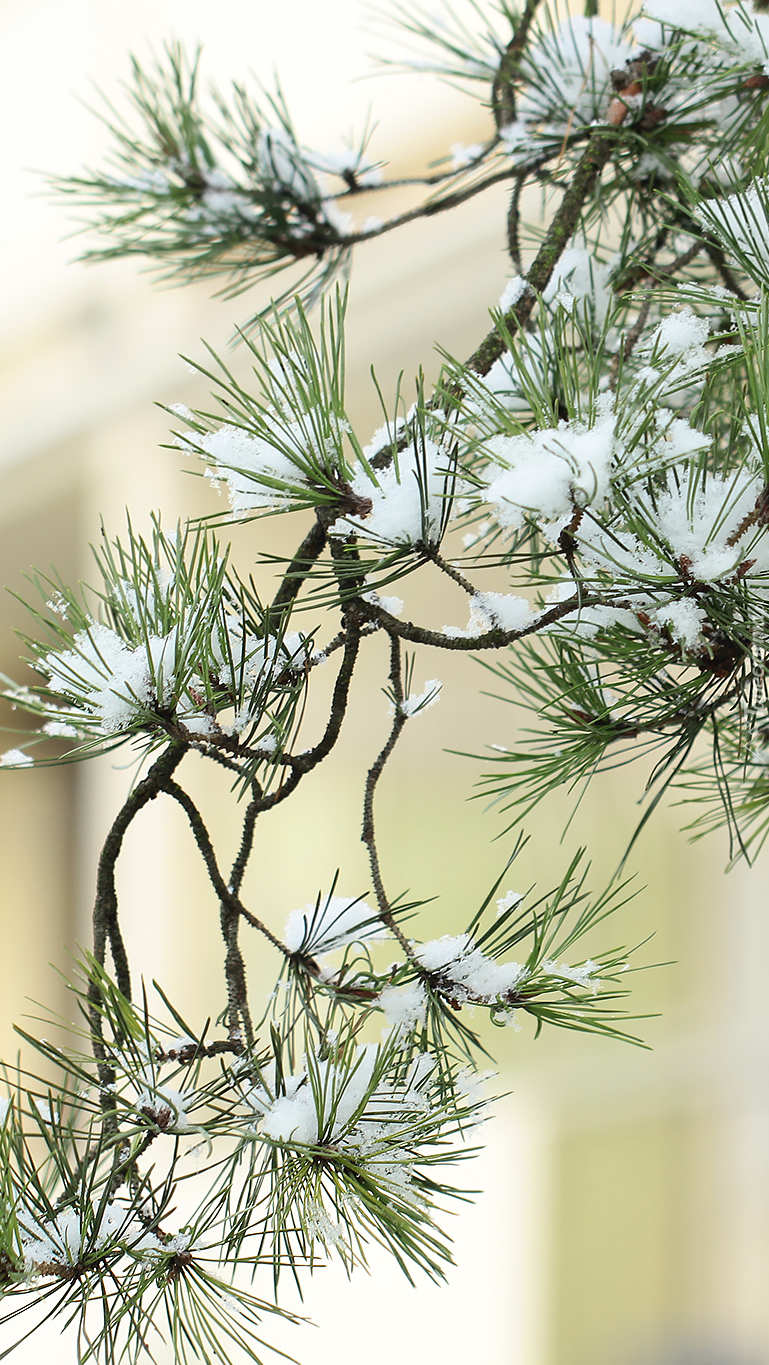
(593,487)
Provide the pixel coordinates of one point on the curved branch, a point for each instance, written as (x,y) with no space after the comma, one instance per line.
(514,224)
(203,840)
(451,201)
(303,763)
(231,911)
(296,573)
(368,835)
(106,927)
(246,839)
(105,916)
(490,639)
(450,571)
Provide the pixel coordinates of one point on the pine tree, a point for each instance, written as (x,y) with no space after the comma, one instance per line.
(606,446)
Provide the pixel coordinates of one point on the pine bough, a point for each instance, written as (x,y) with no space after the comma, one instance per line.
(606,446)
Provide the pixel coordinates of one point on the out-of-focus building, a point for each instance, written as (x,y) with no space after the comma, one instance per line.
(626,1213)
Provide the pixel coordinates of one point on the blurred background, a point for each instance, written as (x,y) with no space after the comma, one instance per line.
(623,1217)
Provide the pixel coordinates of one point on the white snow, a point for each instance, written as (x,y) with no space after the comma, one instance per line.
(411,706)
(479,977)
(580,276)
(59,729)
(408,499)
(15,758)
(505,609)
(680,332)
(292,1118)
(345,159)
(342,222)
(404,1006)
(462,156)
(567,86)
(512,292)
(508,902)
(247,660)
(165,1097)
(684,619)
(695,15)
(347,1105)
(506,376)
(547,473)
(583,976)
(743,219)
(393,605)
(472,1086)
(320,1227)
(741,32)
(109,679)
(331,924)
(493,610)
(258,475)
(281,162)
(697,516)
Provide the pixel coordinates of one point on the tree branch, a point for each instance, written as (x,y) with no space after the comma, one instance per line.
(490,639)
(296,573)
(231,909)
(105,913)
(449,570)
(598,151)
(513,226)
(106,927)
(503,88)
(368,835)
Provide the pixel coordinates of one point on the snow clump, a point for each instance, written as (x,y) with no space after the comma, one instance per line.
(566,82)
(408,500)
(331,924)
(111,681)
(462,965)
(547,474)
(15,758)
(349,1106)
(742,221)
(410,706)
(404,1006)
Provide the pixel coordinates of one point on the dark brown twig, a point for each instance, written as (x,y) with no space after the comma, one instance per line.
(232,909)
(368,835)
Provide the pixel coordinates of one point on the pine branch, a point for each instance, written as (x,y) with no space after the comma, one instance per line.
(598,152)
(368,835)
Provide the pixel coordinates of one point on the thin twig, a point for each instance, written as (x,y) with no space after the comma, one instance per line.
(368,834)
(203,841)
(451,201)
(246,839)
(106,927)
(231,909)
(490,639)
(303,763)
(450,571)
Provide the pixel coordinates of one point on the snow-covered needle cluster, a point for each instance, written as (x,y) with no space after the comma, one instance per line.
(592,484)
